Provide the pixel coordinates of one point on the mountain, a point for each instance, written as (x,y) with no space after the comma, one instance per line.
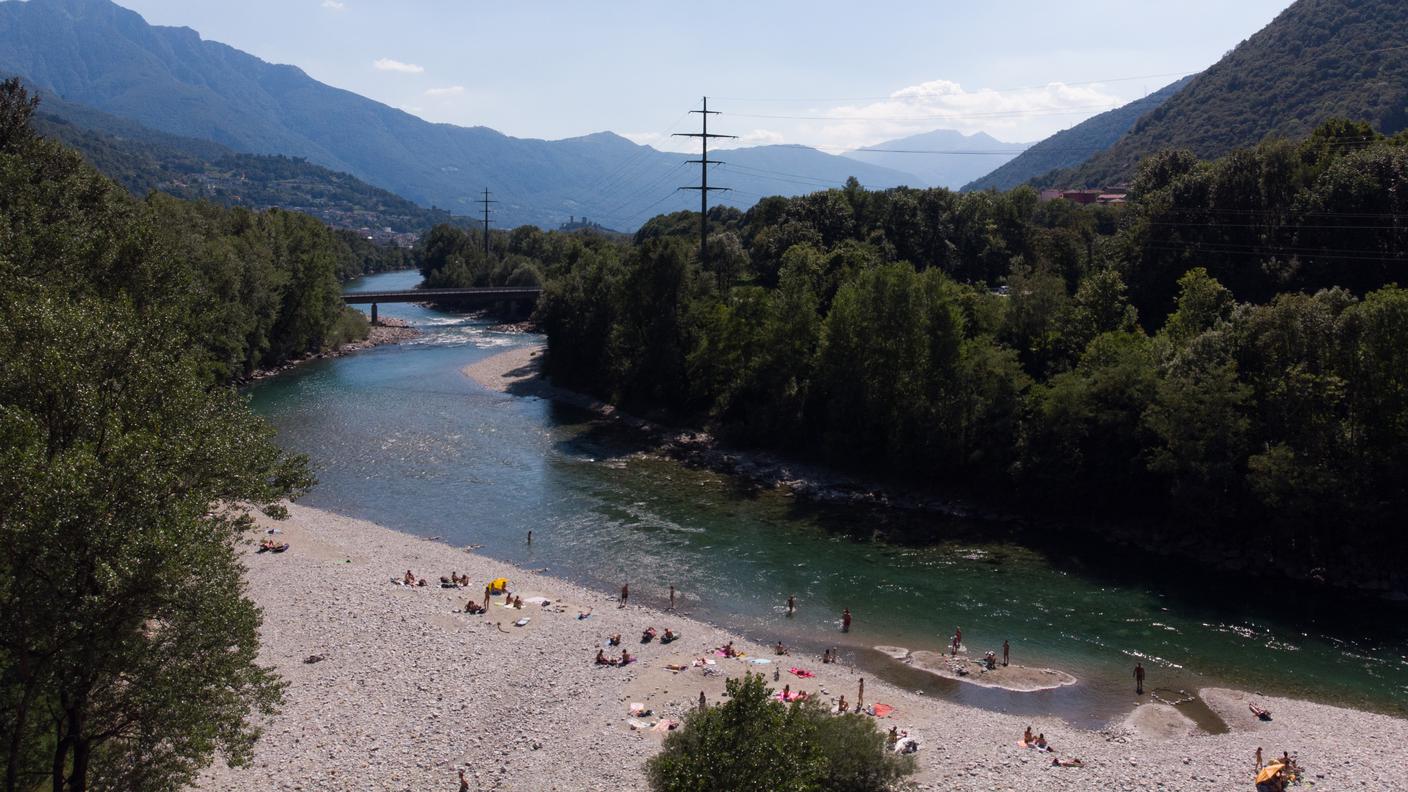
(1071,147)
(98,54)
(1319,59)
(143,159)
(942,158)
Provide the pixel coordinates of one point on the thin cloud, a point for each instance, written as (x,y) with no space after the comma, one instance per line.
(335,5)
(453,90)
(389,65)
(943,104)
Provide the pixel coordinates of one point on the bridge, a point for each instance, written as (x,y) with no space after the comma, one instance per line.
(465,297)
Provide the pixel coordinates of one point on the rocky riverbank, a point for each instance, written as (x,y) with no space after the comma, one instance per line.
(388,330)
(394,688)
(518,372)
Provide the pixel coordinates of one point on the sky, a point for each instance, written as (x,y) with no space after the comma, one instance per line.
(834,75)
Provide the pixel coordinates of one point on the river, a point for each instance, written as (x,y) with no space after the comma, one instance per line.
(397,435)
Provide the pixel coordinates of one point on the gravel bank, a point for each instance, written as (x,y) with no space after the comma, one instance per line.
(408,691)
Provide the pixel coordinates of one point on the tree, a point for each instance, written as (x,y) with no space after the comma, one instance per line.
(128,651)
(1203,304)
(1099,306)
(754,742)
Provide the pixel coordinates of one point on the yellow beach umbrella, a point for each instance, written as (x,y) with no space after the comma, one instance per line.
(1269,772)
(498,584)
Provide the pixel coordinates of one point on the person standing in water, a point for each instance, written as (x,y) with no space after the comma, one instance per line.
(791,604)
(845,620)
(1139,678)
(625,593)
(957,639)
(1006,652)
(530,537)
(672,597)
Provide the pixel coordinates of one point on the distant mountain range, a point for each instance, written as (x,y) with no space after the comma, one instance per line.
(242,131)
(97,54)
(1071,147)
(942,158)
(1319,59)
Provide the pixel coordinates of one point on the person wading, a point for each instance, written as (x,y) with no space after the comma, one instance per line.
(1139,678)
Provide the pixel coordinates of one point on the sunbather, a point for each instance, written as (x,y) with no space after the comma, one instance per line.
(779,649)
(626,658)
(409,579)
(894,736)
(1027,737)
(1066,762)
(584,614)
(668,636)
(601,658)
(1259,712)
(826,656)
(1041,744)
(614,640)
(843,706)
(648,635)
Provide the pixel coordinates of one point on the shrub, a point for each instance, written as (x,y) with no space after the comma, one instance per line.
(754,742)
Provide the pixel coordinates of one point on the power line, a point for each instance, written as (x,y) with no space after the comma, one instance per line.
(893,97)
(704,189)
(1074,110)
(615,210)
(485,201)
(600,187)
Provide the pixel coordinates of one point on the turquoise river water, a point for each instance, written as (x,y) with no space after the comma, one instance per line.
(399,436)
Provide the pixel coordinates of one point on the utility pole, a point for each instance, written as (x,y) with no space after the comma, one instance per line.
(704,189)
(485,200)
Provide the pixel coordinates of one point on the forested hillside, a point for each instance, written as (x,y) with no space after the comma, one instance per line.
(143,160)
(1319,59)
(1218,366)
(258,288)
(1070,147)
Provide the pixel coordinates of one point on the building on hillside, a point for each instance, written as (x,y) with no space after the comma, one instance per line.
(1084,197)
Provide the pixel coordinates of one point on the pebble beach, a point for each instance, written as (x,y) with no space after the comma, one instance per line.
(404,689)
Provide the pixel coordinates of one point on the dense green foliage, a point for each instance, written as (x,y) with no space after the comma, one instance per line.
(143,160)
(1219,363)
(266,285)
(1320,59)
(755,742)
(1070,147)
(127,647)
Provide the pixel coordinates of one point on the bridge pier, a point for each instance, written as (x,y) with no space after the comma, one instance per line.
(373,313)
